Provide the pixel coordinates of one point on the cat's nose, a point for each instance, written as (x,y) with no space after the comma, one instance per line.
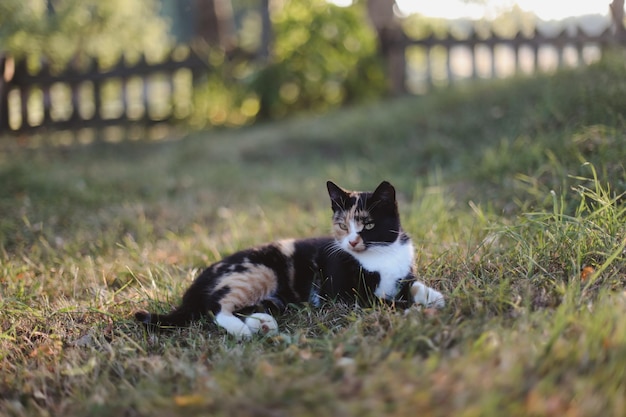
(353,243)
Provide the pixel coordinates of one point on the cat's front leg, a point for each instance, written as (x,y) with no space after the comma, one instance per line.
(426,296)
(233,325)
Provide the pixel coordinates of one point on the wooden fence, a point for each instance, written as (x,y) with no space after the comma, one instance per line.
(449,59)
(139,93)
(145,93)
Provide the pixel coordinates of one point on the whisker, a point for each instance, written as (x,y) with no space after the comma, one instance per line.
(333,248)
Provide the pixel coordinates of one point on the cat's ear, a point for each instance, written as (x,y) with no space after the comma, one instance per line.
(338,196)
(385,192)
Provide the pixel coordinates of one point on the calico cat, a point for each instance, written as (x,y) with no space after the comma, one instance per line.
(368,258)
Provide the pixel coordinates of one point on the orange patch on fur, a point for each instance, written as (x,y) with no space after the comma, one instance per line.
(247,288)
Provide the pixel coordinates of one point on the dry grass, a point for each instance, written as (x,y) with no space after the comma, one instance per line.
(89,234)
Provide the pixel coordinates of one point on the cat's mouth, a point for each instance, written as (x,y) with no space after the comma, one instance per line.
(357,249)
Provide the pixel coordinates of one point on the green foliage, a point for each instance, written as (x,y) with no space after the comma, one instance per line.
(104,29)
(507,24)
(322,56)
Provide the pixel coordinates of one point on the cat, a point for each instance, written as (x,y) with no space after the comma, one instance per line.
(368,257)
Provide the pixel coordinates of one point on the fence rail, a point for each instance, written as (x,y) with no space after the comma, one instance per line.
(445,60)
(141,93)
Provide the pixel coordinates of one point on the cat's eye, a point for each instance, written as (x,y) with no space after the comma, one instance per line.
(368,226)
(343,226)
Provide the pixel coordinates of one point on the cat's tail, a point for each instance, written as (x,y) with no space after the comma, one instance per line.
(194,306)
(181,317)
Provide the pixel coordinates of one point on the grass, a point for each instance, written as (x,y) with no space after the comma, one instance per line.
(512,191)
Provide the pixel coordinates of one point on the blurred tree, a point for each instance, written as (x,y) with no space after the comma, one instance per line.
(389,31)
(508,23)
(323,56)
(64,29)
(617,13)
(266,30)
(214,23)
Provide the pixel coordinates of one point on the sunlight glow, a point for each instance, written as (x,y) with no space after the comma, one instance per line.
(454,9)
(544,9)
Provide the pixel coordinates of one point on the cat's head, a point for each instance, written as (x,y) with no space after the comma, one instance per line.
(362,220)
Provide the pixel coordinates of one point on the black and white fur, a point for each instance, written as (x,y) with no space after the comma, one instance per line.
(368,257)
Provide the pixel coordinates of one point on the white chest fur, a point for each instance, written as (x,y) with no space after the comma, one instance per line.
(393,262)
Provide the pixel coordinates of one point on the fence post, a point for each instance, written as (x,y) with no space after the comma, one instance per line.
(472,41)
(97,86)
(266,31)
(6,74)
(429,66)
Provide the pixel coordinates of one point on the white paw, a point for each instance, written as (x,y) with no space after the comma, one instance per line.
(262,323)
(233,325)
(426,296)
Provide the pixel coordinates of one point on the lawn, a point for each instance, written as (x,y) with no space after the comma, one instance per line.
(512,192)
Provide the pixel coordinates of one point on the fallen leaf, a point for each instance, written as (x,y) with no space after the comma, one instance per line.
(191,400)
(266,369)
(547,405)
(586,273)
(306,354)
(338,352)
